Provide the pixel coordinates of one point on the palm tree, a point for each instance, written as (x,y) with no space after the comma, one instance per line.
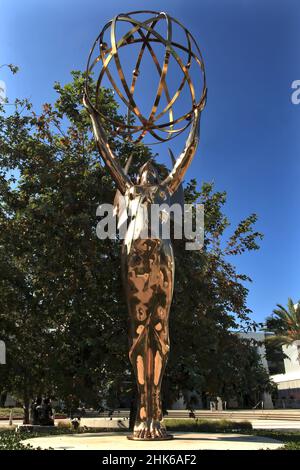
(285,323)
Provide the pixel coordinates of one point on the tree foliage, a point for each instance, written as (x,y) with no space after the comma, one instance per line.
(62,311)
(285,324)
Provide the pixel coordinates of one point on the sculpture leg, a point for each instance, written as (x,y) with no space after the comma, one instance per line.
(149,287)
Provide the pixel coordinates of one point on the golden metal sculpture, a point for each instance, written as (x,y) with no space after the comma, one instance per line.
(147,261)
(145,32)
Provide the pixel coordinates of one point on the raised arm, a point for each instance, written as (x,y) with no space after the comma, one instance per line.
(184,160)
(122,180)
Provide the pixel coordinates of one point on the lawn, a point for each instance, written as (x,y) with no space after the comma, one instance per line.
(291,439)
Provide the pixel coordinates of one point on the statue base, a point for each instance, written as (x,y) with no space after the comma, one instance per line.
(168,437)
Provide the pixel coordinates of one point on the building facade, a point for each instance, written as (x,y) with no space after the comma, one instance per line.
(288,383)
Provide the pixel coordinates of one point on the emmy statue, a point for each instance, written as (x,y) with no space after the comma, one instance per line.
(147,261)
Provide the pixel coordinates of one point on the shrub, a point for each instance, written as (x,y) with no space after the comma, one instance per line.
(10,440)
(64,424)
(200,425)
(17,413)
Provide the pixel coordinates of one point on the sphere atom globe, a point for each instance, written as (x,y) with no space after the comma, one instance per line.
(141,33)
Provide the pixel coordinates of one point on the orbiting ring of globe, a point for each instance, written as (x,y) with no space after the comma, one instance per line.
(156,71)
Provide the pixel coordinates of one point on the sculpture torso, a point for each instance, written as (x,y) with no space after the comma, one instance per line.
(138,204)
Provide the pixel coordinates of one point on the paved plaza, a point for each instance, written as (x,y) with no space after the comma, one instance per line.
(182,441)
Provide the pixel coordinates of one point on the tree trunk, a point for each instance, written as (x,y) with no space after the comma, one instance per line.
(133,411)
(26,405)
(3,396)
(26,411)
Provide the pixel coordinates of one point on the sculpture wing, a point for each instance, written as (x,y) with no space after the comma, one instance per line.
(184,160)
(120,203)
(178,196)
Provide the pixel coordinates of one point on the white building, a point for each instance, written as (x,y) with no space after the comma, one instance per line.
(288,383)
(258,338)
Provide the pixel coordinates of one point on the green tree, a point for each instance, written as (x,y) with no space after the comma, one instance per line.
(285,324)
(62,311)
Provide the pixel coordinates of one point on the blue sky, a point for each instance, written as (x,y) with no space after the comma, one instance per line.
(250,129)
